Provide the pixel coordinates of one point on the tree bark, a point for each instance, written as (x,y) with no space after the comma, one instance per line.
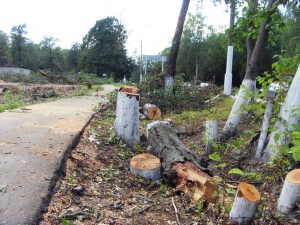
(180,165)
(290,115)
(175,44)
(290,193)
(211,135)
(254,54)
(127,116)
(245,203)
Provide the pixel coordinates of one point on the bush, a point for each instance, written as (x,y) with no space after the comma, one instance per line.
(181,98)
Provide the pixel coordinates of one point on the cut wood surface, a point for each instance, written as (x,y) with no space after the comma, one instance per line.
(151,111)
(181,166)
(203,185)
(290,193)
(146,165)
(245,203)
(130,90)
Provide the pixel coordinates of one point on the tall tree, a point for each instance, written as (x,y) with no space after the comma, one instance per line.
(74,57)
(171,71)
(18,41)
(47,46)
(104,48)
(258,25)
(4,48)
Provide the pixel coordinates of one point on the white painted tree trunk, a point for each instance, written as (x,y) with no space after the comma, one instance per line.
(230,127)
(228,75)
(127,118)
(211,135)
(290,114)
(245,203)
(290,192)
(146,165)
(264,129)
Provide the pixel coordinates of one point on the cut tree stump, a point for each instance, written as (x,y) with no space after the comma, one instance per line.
(245,203)
(146,165)
(181,166)
(151,111)
(127,120)
(290,193)
(211,135)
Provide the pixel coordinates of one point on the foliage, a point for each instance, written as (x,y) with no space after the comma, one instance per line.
(4,48)
(104,49)
(18,41)
(10,102)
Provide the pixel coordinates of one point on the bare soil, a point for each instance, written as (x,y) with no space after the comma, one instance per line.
(99,189)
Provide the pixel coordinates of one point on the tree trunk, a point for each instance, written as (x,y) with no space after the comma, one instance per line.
(175,45)
(127,116)
(290,115)
(265,125)
(151,111)
(146,165)
(245,203)
(254,54)
(180,165)
(290,193)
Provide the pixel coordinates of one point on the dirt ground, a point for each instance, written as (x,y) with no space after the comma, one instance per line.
(99,189)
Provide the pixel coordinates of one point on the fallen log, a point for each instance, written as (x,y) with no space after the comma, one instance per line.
(151,111)
(181,167)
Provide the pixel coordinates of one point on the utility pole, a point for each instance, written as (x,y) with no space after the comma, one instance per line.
(141,62)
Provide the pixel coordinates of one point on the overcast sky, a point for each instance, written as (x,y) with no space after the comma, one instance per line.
(153,21)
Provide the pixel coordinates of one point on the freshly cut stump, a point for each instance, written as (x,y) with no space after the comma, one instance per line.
(127,120)
(151,111)
(211,135)
(290,193)
(146,165)
(245,203)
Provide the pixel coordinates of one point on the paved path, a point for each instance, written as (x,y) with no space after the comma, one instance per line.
(34,145)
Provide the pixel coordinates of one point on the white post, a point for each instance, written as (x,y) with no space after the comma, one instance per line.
(228,75)
(265,125)
(162,63)
(146,65)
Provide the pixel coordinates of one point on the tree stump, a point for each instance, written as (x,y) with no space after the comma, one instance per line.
(127,122)
(245,203)
(146,165)
(151,111)
(181,166)
(211,135)
(290,193)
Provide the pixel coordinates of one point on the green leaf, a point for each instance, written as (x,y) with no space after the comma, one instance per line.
(222,165)
(277,137)
(215,156)
(236,171)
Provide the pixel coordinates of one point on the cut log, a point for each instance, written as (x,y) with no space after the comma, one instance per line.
(211,135)
(146,165)
(181,166)
(245,203)
(290,193)
(151,111)
(127,120)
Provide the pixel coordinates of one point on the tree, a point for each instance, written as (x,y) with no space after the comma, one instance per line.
(4,48)
(47,46)
(104,49)
(18,41)
(73,57)
(258,25)
(171,71)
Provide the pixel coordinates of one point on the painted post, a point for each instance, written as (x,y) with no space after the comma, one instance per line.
(228,75)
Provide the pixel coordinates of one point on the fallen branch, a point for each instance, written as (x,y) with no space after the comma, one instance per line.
(143,198)
(176,211)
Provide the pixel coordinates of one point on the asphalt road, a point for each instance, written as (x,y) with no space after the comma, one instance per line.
(34,146)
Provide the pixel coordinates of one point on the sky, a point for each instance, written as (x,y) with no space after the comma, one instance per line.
(152,21)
